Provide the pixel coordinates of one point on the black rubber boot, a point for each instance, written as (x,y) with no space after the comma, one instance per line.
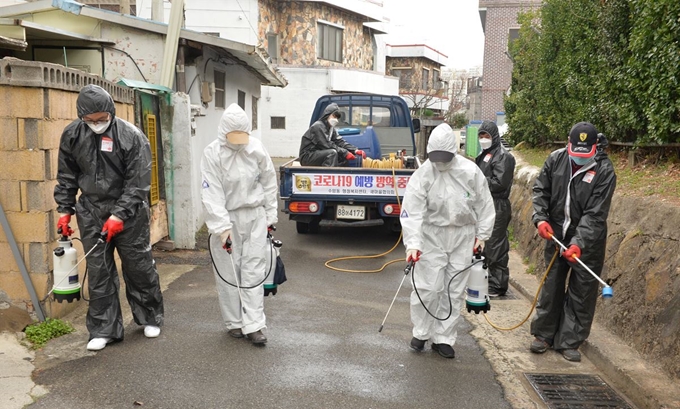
(444,350)
(417,344)
(257,337)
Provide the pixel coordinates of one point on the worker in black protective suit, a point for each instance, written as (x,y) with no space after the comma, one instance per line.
(571,198)
(322,146)
(498,166)
(108,160)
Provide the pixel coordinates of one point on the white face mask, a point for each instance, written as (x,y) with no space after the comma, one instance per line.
(485,143)
(442,166)
(333,121)
(100,128)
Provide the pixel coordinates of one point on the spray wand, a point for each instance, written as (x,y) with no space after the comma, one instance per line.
(607,291)
(227,246)
(407,270)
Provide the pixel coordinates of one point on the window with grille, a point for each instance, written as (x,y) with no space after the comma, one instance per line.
(436,84)
(273,47)
(330,42)
(513,35)
(151,133)
(254,113)
(404,75)
(220,81)
(278,122)
(426,78)
(242,99)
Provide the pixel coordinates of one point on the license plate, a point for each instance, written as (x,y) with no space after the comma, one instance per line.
(351,212)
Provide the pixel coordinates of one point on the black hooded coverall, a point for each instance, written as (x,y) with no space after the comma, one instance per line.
(113,178)
(577,208)
(322,146)
(498,166)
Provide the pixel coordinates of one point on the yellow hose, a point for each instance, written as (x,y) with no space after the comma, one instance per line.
(533,305)
(373,164)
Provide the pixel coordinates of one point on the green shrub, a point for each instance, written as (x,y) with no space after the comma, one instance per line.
(42,332)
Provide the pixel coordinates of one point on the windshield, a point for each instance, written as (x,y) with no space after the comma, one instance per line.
(360,116)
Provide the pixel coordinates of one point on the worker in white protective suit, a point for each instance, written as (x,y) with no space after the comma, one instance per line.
(447,211)
(239,197)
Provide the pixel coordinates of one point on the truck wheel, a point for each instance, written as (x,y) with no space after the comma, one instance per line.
(314,226)
(302,228)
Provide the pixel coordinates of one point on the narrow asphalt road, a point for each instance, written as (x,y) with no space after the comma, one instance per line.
(324,348)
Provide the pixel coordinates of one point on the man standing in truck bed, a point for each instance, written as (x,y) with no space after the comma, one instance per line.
(322,146)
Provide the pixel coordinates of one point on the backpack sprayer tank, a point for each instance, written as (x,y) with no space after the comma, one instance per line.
(66,284)
(476,294)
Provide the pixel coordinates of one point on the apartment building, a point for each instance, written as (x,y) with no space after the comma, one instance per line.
(499,22)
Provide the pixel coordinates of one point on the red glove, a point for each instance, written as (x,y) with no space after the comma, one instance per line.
(545,230)
(572,253)
(62,224)
(113,226)
(413,255)
(350,156)
(361,153)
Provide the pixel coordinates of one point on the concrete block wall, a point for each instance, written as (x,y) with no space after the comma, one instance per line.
(37,100)
(501,15)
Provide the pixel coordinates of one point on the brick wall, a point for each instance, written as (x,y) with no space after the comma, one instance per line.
(37,100)
(501,15)
(295,22)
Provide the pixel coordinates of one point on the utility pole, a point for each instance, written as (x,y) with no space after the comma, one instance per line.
(171,42)
(124,6)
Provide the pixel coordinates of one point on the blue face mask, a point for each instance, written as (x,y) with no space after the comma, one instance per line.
(580,161)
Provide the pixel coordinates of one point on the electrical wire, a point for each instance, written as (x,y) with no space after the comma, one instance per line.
(132,59)
(448,291)
(533,304)
(217,270)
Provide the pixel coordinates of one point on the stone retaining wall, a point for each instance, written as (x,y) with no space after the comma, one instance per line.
(642,265)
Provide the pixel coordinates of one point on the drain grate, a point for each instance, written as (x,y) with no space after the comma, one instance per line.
(568,391)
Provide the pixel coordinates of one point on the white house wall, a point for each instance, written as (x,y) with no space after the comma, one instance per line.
(145,48)
(296,102)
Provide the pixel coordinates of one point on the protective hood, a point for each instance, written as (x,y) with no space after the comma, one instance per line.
(234,119)
(490,128)
(331,108)
(443,138)
(92,99)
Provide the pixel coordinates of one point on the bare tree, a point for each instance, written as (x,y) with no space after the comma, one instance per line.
(457,92)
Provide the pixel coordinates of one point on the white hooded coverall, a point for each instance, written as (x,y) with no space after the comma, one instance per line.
(239,193)
(446,206)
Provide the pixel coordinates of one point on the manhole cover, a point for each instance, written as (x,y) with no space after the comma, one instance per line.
(567,391)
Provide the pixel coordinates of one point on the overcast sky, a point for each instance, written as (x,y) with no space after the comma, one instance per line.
(449,26)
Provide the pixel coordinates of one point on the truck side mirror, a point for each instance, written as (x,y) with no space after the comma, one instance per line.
(416,125)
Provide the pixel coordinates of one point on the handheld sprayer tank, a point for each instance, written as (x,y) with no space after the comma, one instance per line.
(270,261)
(476,294)
(66,284)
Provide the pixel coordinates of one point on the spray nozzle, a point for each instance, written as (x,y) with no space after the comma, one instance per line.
(607,292)
(102,236)
(409,267)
